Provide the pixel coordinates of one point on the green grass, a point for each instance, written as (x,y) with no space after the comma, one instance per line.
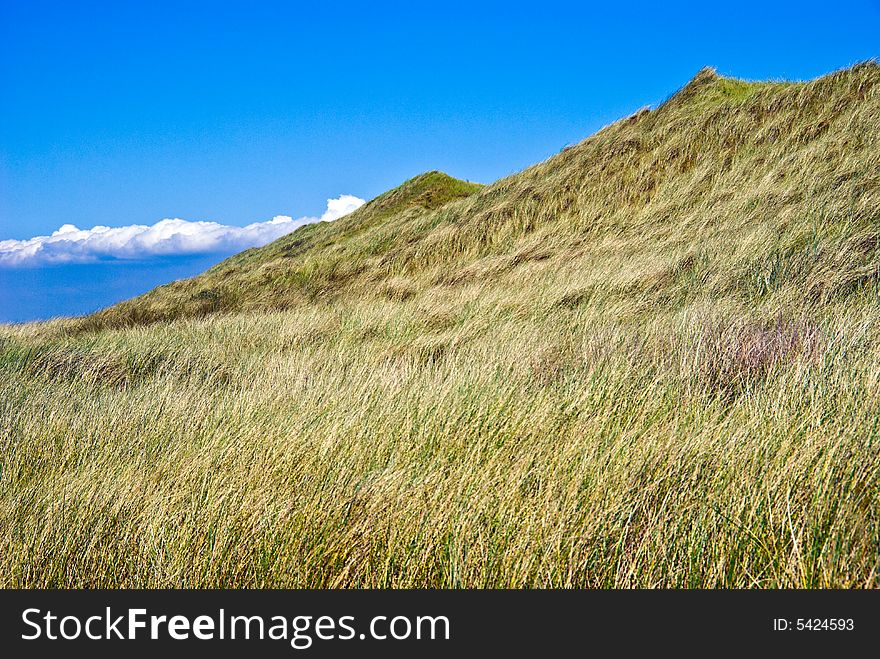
(652,360)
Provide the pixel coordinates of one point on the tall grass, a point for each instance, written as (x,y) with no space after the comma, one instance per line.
(398,444)
(637,364)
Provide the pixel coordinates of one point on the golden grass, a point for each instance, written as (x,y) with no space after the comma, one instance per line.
(653,360)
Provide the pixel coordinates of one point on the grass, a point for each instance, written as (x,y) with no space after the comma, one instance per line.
(652,360)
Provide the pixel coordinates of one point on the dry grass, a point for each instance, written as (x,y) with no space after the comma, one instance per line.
(653,360)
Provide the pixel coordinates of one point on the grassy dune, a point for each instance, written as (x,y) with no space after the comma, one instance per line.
(652,360)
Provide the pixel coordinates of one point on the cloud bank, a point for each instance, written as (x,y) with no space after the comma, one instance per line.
(169,237)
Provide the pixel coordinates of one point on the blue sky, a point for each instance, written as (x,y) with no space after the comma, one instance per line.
(120,113)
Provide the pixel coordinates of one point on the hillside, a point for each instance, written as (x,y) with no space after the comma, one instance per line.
(725,185)
(651,360)
(282,274)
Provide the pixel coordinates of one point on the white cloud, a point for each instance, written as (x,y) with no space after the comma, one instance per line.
(70,244)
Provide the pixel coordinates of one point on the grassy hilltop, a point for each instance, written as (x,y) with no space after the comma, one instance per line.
(651,360)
